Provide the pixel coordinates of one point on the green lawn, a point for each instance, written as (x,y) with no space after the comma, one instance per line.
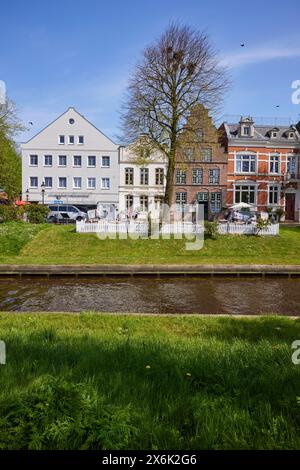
(91,381)
(22,243)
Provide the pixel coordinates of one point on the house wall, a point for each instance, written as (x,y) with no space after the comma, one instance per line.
(95,144)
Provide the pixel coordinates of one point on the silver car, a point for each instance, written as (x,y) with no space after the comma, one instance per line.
(65,212)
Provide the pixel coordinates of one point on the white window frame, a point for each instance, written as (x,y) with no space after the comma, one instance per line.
(88,180)
(58,182)
(129,171)
(159,176)
(69,140)
(79,179)
(105,166)
(46,186)
(278,190)
(80,143)
(64,138)
(145,204)
(214,175)
(144,176)
(197,176)
(77,166)
(251,157)
(102,185)
(217,202)
(48,166)
(182,201)
(246,183)
(272,156)
(58,163)
(37,160)
(37,184)
(180,176)
(88,164)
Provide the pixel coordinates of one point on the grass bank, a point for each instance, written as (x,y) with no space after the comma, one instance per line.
(22,243)
(91,381)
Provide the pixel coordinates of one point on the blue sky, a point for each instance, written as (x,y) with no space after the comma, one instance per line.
(55,54)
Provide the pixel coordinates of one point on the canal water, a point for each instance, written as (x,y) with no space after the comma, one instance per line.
(221,295)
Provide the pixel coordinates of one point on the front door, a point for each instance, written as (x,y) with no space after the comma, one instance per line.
(290,206)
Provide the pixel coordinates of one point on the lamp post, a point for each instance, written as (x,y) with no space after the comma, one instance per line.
(27,195)
(20,196)
(43,192)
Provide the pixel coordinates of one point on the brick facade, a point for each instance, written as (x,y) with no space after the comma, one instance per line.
(201,165)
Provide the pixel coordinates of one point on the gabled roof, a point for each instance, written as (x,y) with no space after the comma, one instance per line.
(71,108)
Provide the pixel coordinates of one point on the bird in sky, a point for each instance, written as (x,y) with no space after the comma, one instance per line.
(31,123)
(243,45)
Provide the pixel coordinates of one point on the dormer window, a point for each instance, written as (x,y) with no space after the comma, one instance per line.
(291,135)
(246,130)
(274,134)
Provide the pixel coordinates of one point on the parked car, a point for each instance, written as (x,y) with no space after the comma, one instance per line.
(62,212)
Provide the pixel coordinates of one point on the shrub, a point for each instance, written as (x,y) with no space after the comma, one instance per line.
(36,213)
(211,229)
(9,213)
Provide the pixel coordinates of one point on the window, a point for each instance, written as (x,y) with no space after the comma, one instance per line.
(159,176)
(128,175)
(48,160)
(181,199)
(144,176)
(62,160)
(105,183)
(33,160)
(81,139)
(244,193)
(274,194)
(292,166)
(214,176)
(129,201)
(273,134)
(105,162)
(246,130)
(197,176)
(92,161)
(91,183)
(144,203)
(34,181)
(77,160)
(71,139)
(77,183)
(189,154)
(215,202)
(206,155)
(48,182)
(62,182)
(199,134)
(71,121)
(158,200)
(245,163)
(180,177)
(291,135)
(202,197)
(61,139)
(274,164)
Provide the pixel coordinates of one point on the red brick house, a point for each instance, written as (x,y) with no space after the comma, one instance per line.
(263,166)
(200,166)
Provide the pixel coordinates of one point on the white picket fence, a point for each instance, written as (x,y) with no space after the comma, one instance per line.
(136,227)
(230,228)
(176,228)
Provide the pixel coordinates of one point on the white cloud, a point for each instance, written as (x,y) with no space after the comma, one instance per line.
(258,55)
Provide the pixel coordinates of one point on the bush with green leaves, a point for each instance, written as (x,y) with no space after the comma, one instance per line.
(36,213)
(211,229)
(10,213)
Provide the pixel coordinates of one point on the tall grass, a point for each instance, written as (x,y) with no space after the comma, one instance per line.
(93,381)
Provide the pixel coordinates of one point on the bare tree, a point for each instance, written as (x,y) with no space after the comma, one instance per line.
(9,121)
(178,71)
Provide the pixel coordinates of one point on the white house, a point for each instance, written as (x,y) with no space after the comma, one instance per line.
(71,161)
(142,185)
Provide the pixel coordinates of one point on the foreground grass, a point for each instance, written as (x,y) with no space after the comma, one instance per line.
(61,245)
(93,381)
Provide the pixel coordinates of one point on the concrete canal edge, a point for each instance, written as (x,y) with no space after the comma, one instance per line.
(155,270)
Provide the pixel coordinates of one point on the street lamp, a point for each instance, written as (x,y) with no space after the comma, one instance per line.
(27,195)
(20,196)
(43,192)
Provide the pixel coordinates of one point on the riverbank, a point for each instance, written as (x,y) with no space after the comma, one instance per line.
(89,381)
(26,244)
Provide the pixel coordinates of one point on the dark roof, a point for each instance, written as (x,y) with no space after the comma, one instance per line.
(263,133)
